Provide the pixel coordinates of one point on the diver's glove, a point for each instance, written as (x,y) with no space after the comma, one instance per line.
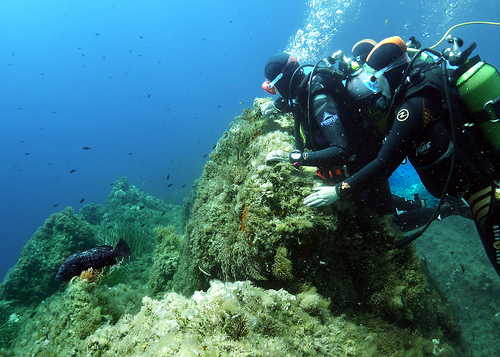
(324,195)
(276,156)
(296,158)
(268,108)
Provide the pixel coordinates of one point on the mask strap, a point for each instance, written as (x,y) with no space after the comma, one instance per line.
(278,77)
(403,59)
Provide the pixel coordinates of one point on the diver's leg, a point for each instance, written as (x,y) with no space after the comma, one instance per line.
(402,204)
(485,208)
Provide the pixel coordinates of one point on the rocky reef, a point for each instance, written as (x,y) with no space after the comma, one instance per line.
(32,279)
(243,269)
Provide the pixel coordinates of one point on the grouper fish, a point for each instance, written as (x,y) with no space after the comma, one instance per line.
(96,258)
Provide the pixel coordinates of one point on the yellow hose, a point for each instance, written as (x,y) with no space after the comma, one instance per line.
(463,24)
(454,27)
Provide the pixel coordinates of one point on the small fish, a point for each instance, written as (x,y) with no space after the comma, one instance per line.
(149,95)
(241,102)
(131,153)
(168,177)
(96,258)
(204,156)
(83,199)
(86,148)
(163,213)
(183,186)
(72,171)
(57,204)
(26,153)
(170,185)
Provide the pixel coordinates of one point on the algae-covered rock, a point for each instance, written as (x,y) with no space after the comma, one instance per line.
(297,281)
(165,260)
(229,319)
(62,322)
(32,278)
(127,205)
(249,222)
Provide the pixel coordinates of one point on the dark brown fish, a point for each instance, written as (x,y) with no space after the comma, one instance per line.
(170,185)
(83,199)
(72,171)
(85,148)
(96,258)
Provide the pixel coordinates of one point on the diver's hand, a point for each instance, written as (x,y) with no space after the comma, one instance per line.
(268,108)
(324,195)
(277,156)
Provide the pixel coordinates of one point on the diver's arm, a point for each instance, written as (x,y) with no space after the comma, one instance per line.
(406,128)
(327,117)
(282,105)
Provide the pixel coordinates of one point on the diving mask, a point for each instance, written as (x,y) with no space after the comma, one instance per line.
(269,87)
(365,84)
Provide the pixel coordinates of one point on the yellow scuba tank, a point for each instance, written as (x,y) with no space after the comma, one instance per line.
(479,88)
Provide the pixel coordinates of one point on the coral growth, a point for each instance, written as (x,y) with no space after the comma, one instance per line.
(91,275)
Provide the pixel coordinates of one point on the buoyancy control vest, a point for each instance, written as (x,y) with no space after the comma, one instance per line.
(428,80)
(325,81)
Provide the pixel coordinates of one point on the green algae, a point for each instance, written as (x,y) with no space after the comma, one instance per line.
(248,222)
(165,260)
(232,319)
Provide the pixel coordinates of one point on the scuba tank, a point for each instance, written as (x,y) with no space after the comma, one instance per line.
(478,85)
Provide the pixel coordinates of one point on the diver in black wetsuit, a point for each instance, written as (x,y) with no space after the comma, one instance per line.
(421,130)
(339,141)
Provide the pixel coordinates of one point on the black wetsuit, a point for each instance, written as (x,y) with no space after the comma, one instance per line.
(340,140)
(421,132)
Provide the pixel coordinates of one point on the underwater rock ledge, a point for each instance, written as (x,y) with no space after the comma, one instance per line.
(260,273)
(248,222)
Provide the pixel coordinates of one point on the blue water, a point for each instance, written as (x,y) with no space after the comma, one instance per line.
(150,86)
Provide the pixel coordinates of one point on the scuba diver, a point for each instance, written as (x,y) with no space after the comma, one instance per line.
(339,141)
(444,121)
(360,51)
